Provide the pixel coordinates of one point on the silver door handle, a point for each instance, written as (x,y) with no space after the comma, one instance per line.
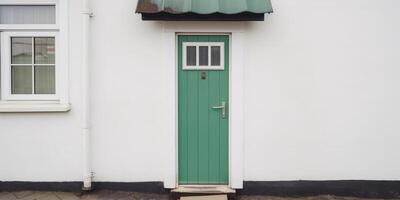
(222,107)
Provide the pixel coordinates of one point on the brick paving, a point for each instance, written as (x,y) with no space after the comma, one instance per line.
(98,195)
(118,195)
(322,197)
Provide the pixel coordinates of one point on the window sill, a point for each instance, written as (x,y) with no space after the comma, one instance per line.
(33,107)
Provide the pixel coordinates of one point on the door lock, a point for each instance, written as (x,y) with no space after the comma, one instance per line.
(222,107)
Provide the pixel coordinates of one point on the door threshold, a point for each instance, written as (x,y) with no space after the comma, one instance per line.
(204,189)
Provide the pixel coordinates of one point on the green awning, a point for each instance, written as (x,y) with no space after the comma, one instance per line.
(204,9)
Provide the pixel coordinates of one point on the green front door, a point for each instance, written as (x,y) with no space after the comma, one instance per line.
(203,86)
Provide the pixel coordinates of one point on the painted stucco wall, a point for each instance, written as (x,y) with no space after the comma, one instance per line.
(47,146)
(322,91)
(321,98)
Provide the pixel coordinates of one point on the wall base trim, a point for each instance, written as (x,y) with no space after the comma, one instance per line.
(351,188)
(146,187)
(11,186)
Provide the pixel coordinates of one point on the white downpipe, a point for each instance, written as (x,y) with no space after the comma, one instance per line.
(87,168)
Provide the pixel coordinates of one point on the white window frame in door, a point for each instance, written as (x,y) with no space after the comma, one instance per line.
(221,66)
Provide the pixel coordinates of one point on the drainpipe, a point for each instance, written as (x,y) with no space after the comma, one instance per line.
(87,169)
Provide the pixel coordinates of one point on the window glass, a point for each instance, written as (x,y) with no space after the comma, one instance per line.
(45,50)
(45,80)
(37,14)
(37,77)
(215,56)
(21,80)
(191,55)
(203,55)
(21,50)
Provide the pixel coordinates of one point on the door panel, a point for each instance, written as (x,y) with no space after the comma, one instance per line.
(203,132)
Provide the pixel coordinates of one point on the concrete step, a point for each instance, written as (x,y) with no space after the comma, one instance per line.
(209,197)
(204,189)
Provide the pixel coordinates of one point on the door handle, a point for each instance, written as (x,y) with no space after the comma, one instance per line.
(222,107)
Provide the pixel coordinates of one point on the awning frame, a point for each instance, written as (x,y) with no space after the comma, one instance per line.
(214,10)
(162,16)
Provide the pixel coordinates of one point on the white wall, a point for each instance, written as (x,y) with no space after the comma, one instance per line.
(322,91)
(46,146)
(129,111)
(321,98)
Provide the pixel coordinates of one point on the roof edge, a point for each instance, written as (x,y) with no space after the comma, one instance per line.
(191,16)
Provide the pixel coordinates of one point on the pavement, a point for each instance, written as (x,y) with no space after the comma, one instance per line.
(98,195)
(119,195)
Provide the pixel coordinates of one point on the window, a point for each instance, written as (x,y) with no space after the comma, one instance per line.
(22,14)
(203,56)
(29,65)
(191,55)
(34,58)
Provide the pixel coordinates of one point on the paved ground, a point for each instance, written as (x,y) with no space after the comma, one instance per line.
(115,195)
(325,197)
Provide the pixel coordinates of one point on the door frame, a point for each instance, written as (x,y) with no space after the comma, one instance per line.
(171,31)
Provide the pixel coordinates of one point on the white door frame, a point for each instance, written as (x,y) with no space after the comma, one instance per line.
(236,69)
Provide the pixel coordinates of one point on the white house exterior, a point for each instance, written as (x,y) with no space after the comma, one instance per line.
(314,94)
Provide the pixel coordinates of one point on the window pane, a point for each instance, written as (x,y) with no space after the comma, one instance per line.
(203,57)
(45,80)
(21,50)
(27,14)
(21,80)
(215,56)
(191,56)
(45,50)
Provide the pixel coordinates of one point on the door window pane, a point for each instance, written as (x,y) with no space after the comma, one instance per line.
(203,55)
(45,80)
(27,14)
(21,50)
(215,56)
(45,50)
(21,80)
(191,55)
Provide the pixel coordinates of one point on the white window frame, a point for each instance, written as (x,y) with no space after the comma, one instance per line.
(37,103)
(56,3)
(6,67)
(203,67)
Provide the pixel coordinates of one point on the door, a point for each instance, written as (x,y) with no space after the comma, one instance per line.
(203,103)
